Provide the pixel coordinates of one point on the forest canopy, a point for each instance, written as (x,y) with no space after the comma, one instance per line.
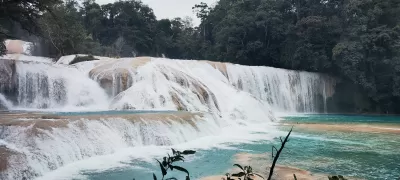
(356,40)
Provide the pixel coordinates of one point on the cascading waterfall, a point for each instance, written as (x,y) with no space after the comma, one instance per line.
(284,90)
(33,148)
(4,102)
(225,94)
(49,86)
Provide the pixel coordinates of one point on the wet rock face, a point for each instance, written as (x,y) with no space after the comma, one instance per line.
(115,76)
(8,79)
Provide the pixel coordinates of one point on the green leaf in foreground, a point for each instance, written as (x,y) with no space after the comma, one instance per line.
(238,174)
(238,165)
(258,175)
(181,169)
(163,170)
(187,152)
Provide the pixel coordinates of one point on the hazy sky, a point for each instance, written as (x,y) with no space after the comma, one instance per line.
(171,8)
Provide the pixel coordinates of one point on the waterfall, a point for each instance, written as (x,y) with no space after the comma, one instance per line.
(197,99)
(4,102)
(284,90)
(51,86)
(162,84)
(131,83)
(33,147)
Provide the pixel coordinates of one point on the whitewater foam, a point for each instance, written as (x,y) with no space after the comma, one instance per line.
(223,139)
(50,86)
(62,144)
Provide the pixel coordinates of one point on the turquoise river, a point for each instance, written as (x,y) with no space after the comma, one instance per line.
(321,144)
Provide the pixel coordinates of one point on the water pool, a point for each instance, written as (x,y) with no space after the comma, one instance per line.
(362,155)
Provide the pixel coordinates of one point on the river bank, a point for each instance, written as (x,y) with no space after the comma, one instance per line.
(367,128)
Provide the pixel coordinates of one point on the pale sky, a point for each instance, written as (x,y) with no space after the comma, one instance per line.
(171,8)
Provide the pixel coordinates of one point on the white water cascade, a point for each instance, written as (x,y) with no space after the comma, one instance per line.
(284,90)
(5,102)
(40,147)
(210,95)
(51,86)
(156,83)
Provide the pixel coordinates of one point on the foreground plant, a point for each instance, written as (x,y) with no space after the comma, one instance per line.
(246,173)
(278,153)
(167,164)
(338,177)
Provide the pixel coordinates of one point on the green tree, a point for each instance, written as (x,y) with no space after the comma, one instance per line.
(63,28)
(24,14)
(355,40)
(92,18)
(135,22)
(368,53)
